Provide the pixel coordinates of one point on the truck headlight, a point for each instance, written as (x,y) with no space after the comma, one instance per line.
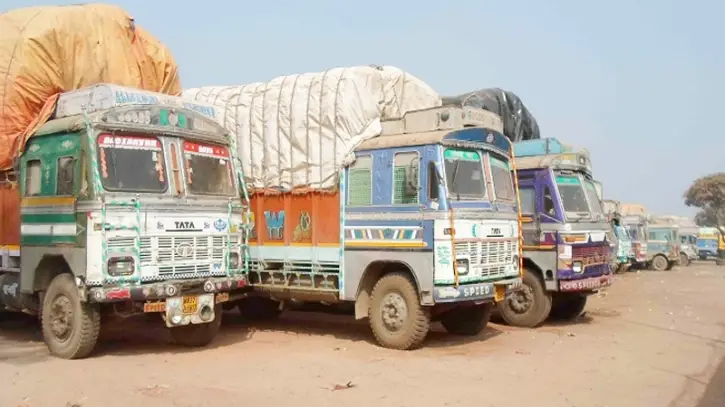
(462,266)
(121,266)
(516,262)
(234,261)
(577,267)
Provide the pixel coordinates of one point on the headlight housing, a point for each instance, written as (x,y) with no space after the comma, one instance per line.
(234,261)
(462,266)
(121,266)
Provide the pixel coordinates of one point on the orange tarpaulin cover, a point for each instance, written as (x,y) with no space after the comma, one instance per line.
(48,50)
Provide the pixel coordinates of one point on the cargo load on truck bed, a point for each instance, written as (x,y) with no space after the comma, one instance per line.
(52,49)
(518,123)
(296,132)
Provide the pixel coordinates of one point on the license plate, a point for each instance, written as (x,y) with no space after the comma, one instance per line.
(586,284)
(191,304)
(157,306)
(499,293)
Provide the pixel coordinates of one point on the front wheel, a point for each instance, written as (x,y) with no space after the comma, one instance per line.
(70,327)
(567,307)
(467,321)
(684,260)
(198,335)
(528,307)
(397,319)
(659,263)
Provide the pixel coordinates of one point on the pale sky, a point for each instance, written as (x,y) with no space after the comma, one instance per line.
(638,83)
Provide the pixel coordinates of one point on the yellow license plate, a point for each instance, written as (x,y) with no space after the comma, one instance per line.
(499,293)
(191,304)
(222,297)
(157,306)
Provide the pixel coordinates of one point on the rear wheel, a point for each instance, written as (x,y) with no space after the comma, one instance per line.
(198,335)
(567,307)
(468,321)
(397,319)
(659,263)
(528,307)
(70,327)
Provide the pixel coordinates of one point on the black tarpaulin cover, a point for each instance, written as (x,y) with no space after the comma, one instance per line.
(518,123)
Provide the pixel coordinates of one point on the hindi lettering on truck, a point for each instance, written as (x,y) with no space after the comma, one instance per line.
(128,207)
(409,223)
(566,252)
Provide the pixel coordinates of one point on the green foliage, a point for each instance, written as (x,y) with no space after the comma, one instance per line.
(708,194)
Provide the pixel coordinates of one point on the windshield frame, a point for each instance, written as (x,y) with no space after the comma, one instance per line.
(503,163)
(466,155)
(119,136)
(191,147)
(598,204)
(567,213)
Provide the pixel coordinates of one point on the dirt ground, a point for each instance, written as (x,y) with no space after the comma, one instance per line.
(653,339)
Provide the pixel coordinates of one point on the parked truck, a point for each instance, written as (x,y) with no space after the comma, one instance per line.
(662,249)
(566,252)
(634,218)
(709,243)
(125,202)
(414,222)
(623,250)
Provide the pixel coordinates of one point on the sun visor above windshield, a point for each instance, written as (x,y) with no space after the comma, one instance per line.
(106,96)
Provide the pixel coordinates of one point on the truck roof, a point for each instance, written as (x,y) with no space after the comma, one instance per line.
(441,125)
(578,161)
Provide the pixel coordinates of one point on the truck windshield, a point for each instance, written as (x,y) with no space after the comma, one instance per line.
(208,169)
(131,163)
(593,196)
(502,183)
(622,233)
(572,196)
(464,174)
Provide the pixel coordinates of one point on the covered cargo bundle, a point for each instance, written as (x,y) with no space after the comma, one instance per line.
(518,123)
(48,50)
(296,132)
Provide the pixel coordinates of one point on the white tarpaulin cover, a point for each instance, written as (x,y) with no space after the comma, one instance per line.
(297,131)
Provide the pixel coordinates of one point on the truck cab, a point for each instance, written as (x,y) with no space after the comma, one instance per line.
(709,242)
(663,243)
(566,253)
(126,202)
(422,228)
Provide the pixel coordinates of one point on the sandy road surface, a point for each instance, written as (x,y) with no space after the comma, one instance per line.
(655,339)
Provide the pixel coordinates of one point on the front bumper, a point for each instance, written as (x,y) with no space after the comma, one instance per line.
(165,289)
(591,284)
(489,291)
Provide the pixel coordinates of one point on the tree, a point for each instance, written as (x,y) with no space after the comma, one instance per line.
(708,194)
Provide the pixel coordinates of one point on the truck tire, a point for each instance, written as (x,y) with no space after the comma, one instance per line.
(469,321)
(259,309)
(198,335)
(659,263)
(396,317)
(70,327)
(528,307)
(684,260)
(567,307)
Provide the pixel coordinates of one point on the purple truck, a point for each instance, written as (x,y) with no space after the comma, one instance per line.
(566,250)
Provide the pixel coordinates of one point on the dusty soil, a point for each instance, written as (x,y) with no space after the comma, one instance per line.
(654,339)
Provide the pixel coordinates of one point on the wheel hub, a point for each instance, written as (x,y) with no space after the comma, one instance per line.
(394,311)
(61,317)
(522,300)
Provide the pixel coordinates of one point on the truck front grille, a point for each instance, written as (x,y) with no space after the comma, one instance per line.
(163,252)
(488,259)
